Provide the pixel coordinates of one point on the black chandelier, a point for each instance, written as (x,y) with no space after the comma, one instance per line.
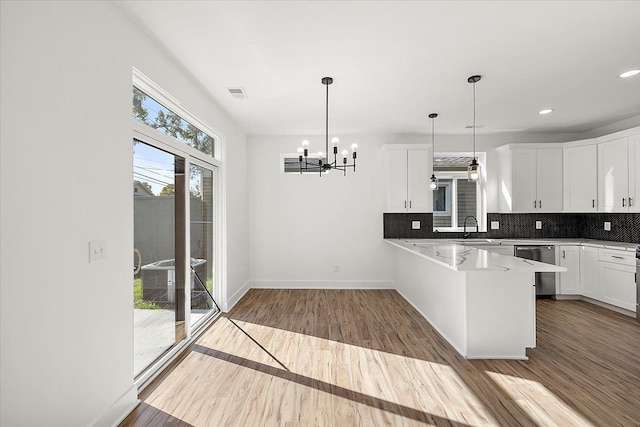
(303,152)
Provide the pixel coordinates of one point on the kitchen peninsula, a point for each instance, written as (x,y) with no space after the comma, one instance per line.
(481,302)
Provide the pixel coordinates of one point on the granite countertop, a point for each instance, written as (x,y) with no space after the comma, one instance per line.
(467,258)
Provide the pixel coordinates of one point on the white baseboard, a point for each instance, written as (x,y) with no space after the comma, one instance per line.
(322,284)
(237,296)
(609,306)
(120,409)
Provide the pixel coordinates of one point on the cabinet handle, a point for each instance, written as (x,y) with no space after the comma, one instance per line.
(540,204)
(593,203)
(564,255)
(617,257)
(623,202)
(405,204)
(630,202)
(534,204)
(409,204)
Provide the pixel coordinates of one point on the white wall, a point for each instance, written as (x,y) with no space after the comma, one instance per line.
(301,226)
(66,167)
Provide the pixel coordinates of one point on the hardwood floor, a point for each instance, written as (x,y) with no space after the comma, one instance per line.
(368,358)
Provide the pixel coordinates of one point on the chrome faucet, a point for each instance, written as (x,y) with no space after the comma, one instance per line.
(465,234)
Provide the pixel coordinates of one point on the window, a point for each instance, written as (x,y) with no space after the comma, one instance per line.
(150,112)
(291,164)
(455,197)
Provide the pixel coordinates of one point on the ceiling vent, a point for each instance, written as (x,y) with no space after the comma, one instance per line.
(237,92)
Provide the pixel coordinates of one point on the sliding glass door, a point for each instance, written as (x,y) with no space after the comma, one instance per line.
(174,241)
(202,234)
(158,280)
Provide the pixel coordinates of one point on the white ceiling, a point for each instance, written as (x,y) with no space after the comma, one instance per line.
(394,62)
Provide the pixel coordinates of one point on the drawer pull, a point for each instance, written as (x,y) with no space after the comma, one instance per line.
(623,200)
(617,257)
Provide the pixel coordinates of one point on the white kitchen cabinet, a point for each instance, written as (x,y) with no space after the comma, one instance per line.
(580,178)
(531,180)
(569,281)
(589,271)
(617,277)
(619,174)
(407,173)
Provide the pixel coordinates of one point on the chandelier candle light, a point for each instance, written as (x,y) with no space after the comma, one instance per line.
(434,180)
(303,152)
(473,170)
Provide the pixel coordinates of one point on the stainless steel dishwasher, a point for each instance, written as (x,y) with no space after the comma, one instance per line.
(545,282)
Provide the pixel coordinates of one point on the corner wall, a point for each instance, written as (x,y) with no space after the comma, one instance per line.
(66,168)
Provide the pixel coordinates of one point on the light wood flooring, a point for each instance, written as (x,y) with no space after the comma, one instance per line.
(368,358)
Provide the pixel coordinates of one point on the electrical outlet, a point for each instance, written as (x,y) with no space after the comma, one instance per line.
(495,225)
(538,225)
(607,226)
(336,268)
(415,225)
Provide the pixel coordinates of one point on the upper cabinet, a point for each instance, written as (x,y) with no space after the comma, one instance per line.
(619,170)
(407,174)
(580,178)
(531,179)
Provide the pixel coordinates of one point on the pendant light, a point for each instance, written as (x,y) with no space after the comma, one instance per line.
(434,180)
(326,166)
(473,171)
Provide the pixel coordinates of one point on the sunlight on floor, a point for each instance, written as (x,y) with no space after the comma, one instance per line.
(538,402)
(359,378)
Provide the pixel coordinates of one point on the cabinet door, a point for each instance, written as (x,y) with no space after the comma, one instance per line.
(619,285)
(396,180)
(418,190)
(570,280)
(590,282)
(614,175)
(523,180)
(549,180)
(580,178)
(634,173)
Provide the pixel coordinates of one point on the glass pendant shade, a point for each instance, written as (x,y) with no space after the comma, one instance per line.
(434,182)
(473,171)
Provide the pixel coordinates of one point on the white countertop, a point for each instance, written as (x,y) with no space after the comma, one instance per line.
(465,258)
(606,244)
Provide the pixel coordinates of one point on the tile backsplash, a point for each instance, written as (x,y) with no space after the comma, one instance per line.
(625,227)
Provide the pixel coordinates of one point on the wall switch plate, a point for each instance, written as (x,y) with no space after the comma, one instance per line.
(495,225)
(415,225)
(538,225)
(97,250)
(607,226)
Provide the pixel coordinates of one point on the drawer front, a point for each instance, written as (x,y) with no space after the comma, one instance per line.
(618,257)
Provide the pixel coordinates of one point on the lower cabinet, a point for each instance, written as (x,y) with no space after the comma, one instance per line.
(569,281)
(589,280)
(617,274)
(608,275)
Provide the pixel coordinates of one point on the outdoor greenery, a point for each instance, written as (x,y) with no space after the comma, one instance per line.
(138,302)
(169,122)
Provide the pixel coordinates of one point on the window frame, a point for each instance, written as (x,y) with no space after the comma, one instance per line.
(481,197)
(158,139)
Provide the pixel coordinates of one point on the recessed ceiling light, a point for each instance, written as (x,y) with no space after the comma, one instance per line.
(629,73)
(546,111)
